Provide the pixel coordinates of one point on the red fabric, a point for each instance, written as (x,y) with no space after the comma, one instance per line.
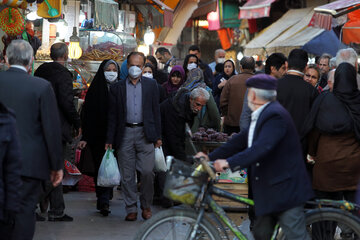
(252,26)
(224,37)
(86,184)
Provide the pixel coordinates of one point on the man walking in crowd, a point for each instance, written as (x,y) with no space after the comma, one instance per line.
(219,58)
(61,80)
(276,66)
(348,55)
(134,128)
(293,92)
(324,66)
(38,124)
(164,56)
(208,73)
(269,145)
(232,96)
(10,168)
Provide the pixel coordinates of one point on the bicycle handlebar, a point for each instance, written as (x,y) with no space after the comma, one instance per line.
(207,168)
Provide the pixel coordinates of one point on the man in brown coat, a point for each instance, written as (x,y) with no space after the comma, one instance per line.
(232,96)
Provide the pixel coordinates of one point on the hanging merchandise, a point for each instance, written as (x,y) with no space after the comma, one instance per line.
(225,36)
(49,9)
(11,21)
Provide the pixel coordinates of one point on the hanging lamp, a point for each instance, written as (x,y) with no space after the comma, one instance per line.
(75,51)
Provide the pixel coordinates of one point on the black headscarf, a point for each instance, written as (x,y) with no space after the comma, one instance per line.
(346,90)
(94,112)
(337,112)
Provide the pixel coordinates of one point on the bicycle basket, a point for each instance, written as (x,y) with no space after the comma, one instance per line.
(183,183)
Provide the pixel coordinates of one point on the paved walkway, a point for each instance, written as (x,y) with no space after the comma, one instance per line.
(88,223)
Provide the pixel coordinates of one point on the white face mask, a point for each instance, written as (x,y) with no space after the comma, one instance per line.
(191,66)
(148,75)
(110,76)
(221,60)
(135,72)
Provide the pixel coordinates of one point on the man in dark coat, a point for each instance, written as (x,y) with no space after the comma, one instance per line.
(10,170)
(293,92)
(271,147)
(175,112)
(61,80)
(34,103)
(134,129)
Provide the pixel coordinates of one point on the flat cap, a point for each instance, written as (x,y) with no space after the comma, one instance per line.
(262,81)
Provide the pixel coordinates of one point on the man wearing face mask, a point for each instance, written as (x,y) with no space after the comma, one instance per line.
(61,80)
(134,129)
(269,145)
(219,58)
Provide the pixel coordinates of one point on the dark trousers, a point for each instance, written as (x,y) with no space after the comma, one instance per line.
(292,222)
(56,199)
(25,220)
(103,194)
(231,129)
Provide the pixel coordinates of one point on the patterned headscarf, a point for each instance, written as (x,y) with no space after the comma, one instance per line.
(195,79)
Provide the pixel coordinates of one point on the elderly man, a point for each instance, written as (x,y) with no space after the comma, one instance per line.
(34,103)
(350,56)
(164,56)
(269,145)
(61,79)
(134,129)
(324,66)
(219,58)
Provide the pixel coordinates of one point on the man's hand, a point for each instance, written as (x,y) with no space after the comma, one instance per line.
(158,143)
(81,144)
(201,154)
(221,165)
(56,177)
(108,146)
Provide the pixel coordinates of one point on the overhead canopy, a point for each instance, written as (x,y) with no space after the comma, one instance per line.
(325,15)
(255,9)
(326,42)
(296,36)
(275,30)
(204,7)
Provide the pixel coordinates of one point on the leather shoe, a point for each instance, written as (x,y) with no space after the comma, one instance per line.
(131,217)
(105,210)
(146,213)
(65,218)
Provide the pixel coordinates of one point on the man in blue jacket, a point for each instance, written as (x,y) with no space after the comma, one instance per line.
(271,147)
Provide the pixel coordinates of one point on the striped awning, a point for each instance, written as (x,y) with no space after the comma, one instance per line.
(325,16)
(255,9)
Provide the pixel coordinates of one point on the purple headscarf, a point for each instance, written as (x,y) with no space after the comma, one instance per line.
(169,87)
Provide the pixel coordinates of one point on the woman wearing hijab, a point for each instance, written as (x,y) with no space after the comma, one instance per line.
(209,116)
(333,131)
(94,124)
(159,76)
(191,62)
(227,72)
(176,79)
(148,72)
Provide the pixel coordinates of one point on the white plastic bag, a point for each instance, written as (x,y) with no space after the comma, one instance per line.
(109,174)
(160,165)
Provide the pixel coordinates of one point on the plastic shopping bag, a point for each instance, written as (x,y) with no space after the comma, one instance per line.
(109,174)
(160,165)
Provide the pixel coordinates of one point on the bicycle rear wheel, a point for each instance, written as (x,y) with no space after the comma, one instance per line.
(330,224)
(175,224)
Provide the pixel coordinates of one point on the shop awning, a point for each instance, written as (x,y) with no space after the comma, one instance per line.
(326,42)
(255,9)
(275,30)
(325,15)
(204,7)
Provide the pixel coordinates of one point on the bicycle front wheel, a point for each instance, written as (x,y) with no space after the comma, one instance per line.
(175,224)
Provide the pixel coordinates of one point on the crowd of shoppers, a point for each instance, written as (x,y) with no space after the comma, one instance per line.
(297,120)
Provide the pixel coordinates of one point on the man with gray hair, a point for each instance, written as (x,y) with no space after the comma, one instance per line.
(324,66)
(176,111)
(269,144)
(61,79)
(219,58)
(348,55)
(34,103)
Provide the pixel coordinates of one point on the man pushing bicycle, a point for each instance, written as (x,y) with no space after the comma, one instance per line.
(271,149)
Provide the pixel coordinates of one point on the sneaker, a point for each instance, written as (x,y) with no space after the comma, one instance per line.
(65,218)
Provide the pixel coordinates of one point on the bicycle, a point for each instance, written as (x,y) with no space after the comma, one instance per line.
(191,186)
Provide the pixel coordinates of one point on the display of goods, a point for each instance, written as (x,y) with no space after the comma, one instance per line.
(14,3)
(43,54)
(209,135)
(11,21)
(102,51)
